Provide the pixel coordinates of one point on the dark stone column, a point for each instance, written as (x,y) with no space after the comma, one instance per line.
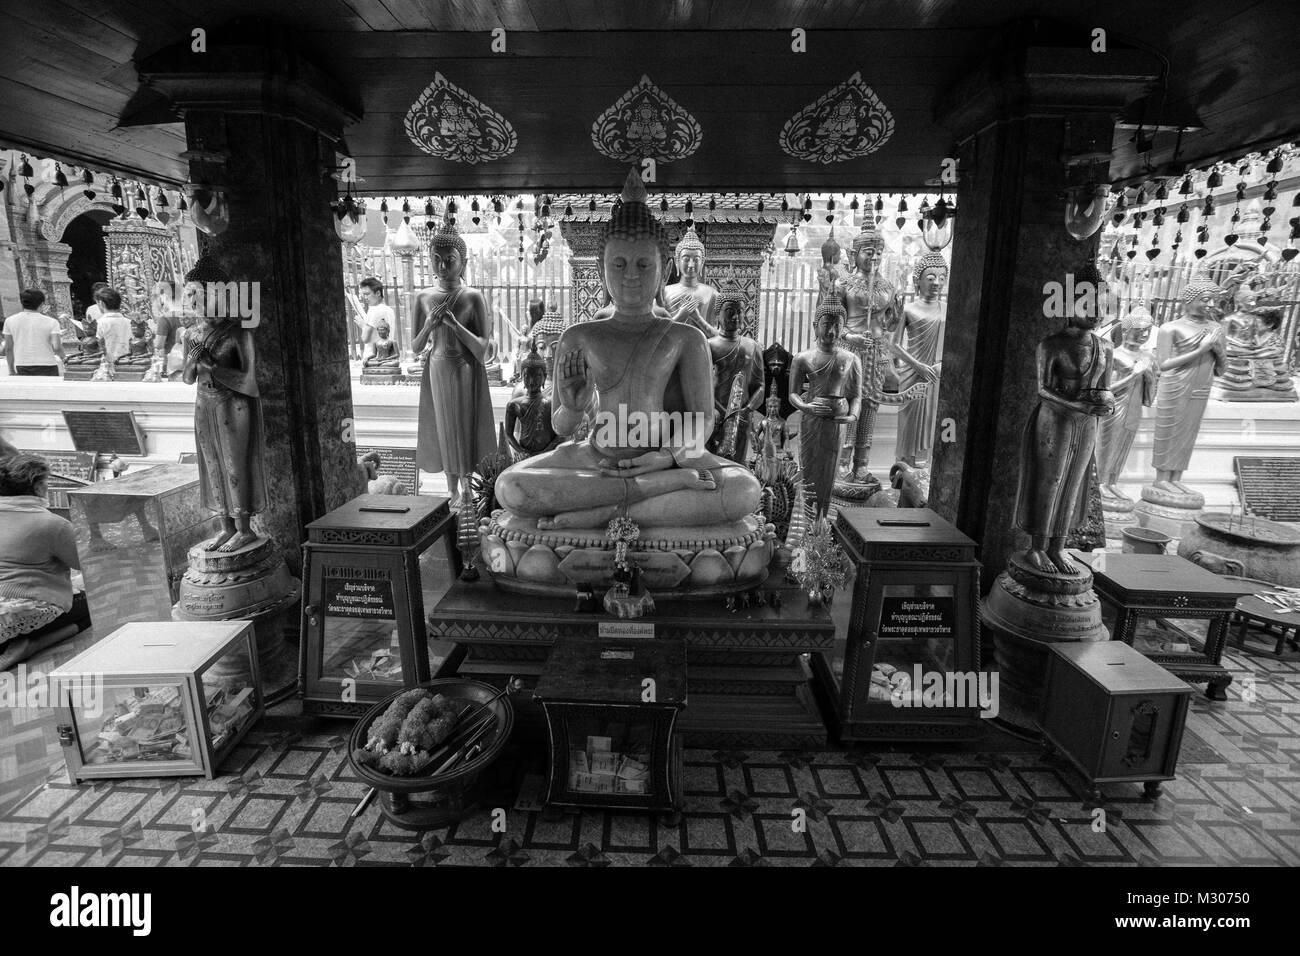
(1025,121)
(263,124)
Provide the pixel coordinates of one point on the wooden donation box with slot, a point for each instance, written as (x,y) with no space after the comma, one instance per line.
(1114,714)
(134,535)
(158,700)
(371,568)
(611,712)
(909,667)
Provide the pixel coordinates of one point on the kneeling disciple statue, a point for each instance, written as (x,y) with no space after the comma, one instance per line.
(456,428)
(646,382)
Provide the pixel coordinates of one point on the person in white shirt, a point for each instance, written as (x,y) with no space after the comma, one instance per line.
(371,293)
(95,310)
(33,341)
(114,327)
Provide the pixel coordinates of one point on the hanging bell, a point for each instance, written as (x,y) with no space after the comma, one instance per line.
(690,207)
(546,210)
(785,205)
(568,210)
(428,208)
(1183,215)
(1275,164)
(496,206)
(880,204)
(1270,193)
(713,204)
(116,190)
(88,177)
(760,205)
(1162,192)
(406,207)
(1186,188)
(1215,179)
(451,207)
(26,168)
(854,203)
(591,206)
(902,205)
(60,179)
(830,204)
(807,202)
(1208,208)
(1141,199)
(1241,191)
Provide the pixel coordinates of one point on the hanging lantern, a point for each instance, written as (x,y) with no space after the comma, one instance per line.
(936,230)
(1084,208)
(350,219)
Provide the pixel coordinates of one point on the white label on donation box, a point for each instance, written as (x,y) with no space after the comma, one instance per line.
(638,629)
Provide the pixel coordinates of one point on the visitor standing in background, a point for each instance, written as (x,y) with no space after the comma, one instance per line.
(370,291)
(95,310)
(114,327)
(33,340)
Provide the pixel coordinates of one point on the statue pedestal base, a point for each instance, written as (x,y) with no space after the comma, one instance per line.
(381,375)
(80,373)
(130,373)
(1172,513)
(249,584)
(1255,393)
(672,562)
(1026,611)
(1117,513)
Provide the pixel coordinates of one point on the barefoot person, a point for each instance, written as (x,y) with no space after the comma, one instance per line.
(227,419)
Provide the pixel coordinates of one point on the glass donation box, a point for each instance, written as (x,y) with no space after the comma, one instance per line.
(909,666)
(611,711)
(158,700)
(134,536)
(371,567)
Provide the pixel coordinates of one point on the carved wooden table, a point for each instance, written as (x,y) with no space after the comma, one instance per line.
(747,672)
(1158,590)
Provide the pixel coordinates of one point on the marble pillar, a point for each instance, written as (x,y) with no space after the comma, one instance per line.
(275,121)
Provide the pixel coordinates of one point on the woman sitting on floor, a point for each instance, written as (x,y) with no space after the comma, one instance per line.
(37,553)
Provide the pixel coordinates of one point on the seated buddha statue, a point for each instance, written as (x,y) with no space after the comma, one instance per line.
(647,382)
(1255,369)
(528,418)
(139,354)
(544,335)
(91,352)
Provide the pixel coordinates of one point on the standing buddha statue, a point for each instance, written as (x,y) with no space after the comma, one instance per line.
(871,306)
(1133,383)
(918,343)
(737,379)
(691,300)
(1190,351)
(456,428)
(825,386)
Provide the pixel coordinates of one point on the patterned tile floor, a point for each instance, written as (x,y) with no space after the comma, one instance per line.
(284,798)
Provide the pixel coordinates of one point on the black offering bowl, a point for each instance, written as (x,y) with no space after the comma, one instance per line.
(429,800)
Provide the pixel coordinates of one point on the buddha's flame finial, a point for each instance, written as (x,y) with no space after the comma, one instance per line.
(634,188)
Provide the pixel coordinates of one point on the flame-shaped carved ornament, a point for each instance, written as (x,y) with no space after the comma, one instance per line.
(847,123)
(447,122)
(646,123)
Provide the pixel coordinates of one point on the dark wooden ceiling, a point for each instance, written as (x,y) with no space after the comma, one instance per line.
(67,75)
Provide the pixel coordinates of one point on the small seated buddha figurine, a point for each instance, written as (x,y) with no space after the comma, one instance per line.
(91,351)
(737,379)
(648,383)
(872,308)
(691,300)
(825,385)
(383,364)
(528,418)
(1133,383)
(1056,455)
(1255,369)
(139,355)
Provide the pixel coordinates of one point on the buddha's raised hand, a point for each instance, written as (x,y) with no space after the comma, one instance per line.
(574,379)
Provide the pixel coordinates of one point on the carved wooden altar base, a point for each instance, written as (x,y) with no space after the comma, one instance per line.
(673,562)
(747,679)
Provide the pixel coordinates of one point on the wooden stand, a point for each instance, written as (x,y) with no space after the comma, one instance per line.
(1159,587)
(748,681)
(362,567)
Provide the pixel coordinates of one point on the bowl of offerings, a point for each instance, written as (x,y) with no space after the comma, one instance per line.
(424,749)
